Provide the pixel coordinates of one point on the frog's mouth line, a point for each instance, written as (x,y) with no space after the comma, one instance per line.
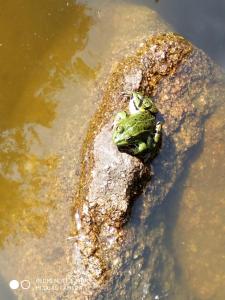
(136,107)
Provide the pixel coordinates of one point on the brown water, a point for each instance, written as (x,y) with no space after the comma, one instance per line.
(51,52)
(28,58)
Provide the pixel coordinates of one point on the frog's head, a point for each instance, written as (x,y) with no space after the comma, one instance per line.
(120,135)
(140,103)
(123,129)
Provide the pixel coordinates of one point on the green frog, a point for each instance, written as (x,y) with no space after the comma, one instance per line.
(137,132)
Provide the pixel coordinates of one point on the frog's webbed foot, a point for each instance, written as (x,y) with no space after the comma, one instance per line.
(158,133)
(142,147)
(139,148)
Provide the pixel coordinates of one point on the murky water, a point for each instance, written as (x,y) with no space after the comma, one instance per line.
(51,52)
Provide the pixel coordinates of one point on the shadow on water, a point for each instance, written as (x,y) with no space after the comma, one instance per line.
(167,213)
(170,207)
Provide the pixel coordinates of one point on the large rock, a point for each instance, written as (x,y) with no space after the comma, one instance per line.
(185,85)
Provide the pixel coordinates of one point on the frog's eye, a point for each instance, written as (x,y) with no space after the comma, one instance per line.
(146,103)
(120,129)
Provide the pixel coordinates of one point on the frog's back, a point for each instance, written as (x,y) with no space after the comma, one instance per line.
(140,124)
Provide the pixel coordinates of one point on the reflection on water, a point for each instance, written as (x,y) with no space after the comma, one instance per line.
(28,31)
(199,235)
(23,189)
(28,58)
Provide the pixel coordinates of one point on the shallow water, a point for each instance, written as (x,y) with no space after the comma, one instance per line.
(50,54)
